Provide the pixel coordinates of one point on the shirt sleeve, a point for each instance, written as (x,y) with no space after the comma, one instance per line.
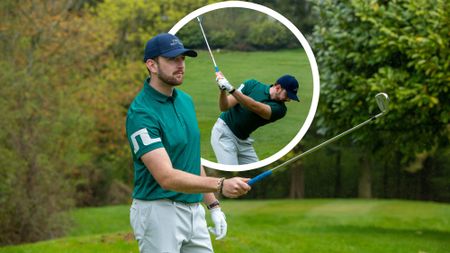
(247,86)
(144,133)
(278,111)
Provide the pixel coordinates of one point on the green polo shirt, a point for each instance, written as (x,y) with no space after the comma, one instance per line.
(242,121)
(157,121)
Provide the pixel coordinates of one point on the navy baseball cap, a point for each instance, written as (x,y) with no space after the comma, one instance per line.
(290,84)
(167,45)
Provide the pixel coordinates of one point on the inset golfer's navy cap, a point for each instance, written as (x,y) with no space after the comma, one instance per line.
(167,45)
(290,84)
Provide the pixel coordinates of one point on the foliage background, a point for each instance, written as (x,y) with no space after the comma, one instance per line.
(69,70)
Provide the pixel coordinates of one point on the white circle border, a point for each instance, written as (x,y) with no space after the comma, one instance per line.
(312,62)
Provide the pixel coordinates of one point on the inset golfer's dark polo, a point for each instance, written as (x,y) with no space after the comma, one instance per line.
(155,120)
(242,121)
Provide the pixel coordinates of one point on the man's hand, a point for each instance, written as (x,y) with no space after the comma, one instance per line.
(220,223)
(223,83)
(235,187)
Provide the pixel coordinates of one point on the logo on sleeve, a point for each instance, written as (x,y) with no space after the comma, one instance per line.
(145,137)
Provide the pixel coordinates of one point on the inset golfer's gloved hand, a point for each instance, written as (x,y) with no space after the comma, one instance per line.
(223,83)
(220,223)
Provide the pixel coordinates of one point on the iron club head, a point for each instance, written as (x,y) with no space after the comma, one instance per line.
(382,101)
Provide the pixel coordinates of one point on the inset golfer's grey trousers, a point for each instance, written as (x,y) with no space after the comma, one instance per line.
(228,148)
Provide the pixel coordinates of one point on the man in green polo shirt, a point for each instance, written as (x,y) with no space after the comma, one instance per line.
(169,181)
(246,109)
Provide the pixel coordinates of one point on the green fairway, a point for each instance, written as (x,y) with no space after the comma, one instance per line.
(266,67)
(280,226)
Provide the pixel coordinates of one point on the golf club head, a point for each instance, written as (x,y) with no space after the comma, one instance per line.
(382,101)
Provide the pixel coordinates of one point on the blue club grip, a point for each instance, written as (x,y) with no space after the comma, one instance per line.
(216,69)
(260,177)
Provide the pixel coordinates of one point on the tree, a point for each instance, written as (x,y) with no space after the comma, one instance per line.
(135,22)
(400,47)
(299,12)
(297,171)
(47,52)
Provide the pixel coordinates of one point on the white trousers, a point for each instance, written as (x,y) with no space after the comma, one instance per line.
(228,148)
(165,226)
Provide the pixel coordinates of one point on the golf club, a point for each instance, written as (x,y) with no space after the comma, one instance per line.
(382,100)
(207,44)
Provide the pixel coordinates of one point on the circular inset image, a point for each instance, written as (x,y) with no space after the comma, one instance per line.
(262,55)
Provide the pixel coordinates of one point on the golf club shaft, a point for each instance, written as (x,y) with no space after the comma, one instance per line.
(207,45)
(270,172)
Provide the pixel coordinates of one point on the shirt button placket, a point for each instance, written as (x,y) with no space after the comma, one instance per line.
(179,116)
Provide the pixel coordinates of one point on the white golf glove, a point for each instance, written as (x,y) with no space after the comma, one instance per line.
(223,83)
(220,223)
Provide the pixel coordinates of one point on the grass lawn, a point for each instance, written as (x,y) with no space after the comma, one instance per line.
(266,67)
(280,226)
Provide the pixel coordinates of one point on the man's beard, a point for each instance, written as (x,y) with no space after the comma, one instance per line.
(169,79)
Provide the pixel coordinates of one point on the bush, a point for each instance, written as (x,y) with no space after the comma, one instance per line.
(191,36)
(399,47)
(224,39)
(270,34)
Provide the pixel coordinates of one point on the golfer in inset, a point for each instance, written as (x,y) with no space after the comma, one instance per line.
(169,182)
(251,106)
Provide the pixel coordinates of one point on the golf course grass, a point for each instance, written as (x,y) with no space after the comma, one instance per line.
(264,66)
(327,225)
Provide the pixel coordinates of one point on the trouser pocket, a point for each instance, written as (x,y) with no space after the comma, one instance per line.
(139,214)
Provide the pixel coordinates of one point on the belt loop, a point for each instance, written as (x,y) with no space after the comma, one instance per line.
(171,201)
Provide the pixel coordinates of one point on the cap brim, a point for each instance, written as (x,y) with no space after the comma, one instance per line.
(181,51)
(293,96)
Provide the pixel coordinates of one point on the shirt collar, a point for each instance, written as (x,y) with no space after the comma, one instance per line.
(267,90)
(156,94)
